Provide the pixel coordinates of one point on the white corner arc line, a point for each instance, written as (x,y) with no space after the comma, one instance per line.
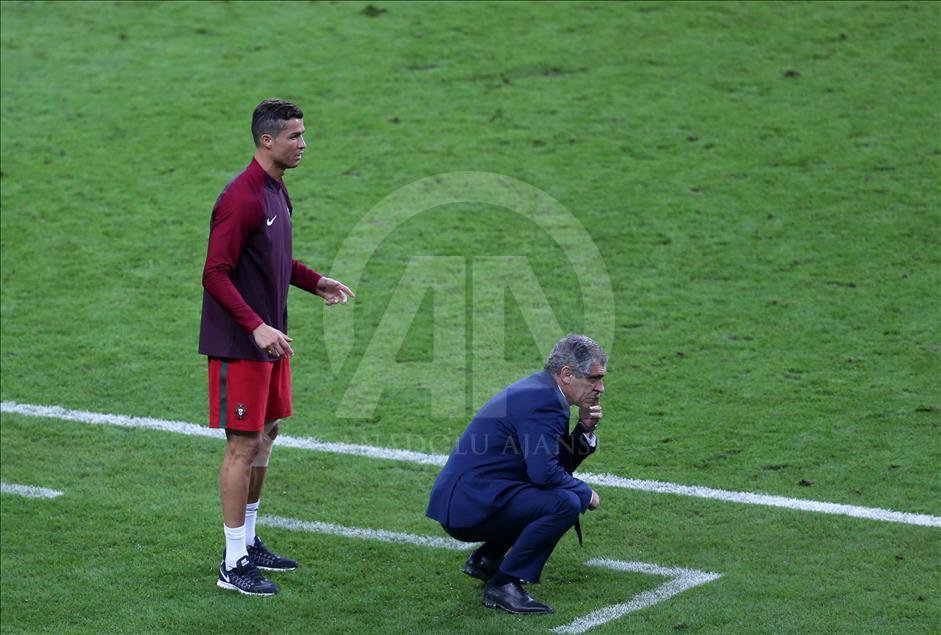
(383,535)
(423,458)
(681,580)
(653,569)
(29,491)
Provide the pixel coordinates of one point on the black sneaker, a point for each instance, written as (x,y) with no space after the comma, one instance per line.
(245,578)
(264,559)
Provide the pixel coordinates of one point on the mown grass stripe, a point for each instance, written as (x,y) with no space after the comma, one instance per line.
(409,456)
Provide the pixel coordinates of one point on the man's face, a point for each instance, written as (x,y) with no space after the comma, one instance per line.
(584,391)
(288,147)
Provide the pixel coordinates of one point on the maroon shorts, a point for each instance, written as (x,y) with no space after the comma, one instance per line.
(243,393)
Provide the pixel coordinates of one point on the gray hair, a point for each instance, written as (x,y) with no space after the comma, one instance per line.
(578,352)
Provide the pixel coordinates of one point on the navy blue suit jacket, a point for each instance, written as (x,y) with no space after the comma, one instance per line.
(512,443)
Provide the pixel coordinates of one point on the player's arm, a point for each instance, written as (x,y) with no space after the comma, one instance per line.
(233,221)
(332,291)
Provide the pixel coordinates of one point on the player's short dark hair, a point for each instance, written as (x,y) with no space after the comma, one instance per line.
(578,352)
(270,115)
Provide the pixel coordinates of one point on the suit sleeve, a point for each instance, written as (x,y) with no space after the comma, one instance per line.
(539,440)
(234,218)
(574,449)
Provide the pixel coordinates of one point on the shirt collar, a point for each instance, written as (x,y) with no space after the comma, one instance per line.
(270,181)
(562,394)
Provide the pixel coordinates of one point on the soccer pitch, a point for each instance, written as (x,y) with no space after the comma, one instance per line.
(741,201)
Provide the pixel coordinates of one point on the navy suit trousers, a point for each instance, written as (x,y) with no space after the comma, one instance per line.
(529,527)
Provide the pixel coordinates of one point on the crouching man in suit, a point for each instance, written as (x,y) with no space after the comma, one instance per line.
(508,482)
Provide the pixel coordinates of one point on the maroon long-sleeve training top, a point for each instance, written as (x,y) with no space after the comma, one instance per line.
(249,266)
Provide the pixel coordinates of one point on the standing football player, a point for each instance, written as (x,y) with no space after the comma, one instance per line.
(249,267)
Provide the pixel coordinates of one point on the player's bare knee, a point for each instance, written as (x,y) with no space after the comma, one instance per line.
(243,447)
(265,444)
(272,428)
(247,452)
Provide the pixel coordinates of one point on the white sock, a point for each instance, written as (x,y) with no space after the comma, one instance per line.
(234,545)
(251,513)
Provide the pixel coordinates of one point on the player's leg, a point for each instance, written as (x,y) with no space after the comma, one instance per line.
(260,464)
(234,477)
(237,405)
(278,406)
(259,471)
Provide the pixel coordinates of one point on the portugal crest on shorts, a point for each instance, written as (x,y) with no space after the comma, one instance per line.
(241,411)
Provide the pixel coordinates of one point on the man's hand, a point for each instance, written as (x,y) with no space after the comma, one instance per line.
(590,416)
(595,501)
(333,291)
(272,341)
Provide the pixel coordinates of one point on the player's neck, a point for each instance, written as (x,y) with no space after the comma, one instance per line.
(274,170)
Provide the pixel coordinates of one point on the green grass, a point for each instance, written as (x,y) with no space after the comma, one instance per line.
(771,238)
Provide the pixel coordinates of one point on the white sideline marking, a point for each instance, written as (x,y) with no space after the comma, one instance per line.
(748,498)
(681,580)
(409,456)
(317,527)
(29,491)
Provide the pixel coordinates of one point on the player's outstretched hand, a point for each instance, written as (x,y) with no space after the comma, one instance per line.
(272,341)
(333,291)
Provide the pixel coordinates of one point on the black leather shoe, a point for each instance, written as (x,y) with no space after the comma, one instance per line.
(513,598)
(481,567)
